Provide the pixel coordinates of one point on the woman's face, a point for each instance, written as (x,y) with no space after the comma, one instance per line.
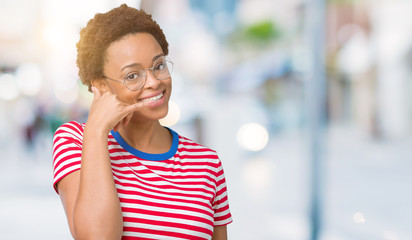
(128,55)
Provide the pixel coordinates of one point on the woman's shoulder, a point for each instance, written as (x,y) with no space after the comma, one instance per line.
(72,128)
(189,145)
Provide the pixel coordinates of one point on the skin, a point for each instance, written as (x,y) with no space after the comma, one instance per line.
(116,107)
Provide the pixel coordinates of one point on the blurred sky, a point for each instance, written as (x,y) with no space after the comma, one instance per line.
(240,86)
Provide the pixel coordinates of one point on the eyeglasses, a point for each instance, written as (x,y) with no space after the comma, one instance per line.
(136,79)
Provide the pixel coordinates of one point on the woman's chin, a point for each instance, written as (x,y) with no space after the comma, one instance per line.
(151,115)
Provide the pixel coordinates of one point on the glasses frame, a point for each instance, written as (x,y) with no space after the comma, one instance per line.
(167,59)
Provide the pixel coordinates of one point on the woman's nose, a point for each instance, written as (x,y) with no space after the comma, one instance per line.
(151,80)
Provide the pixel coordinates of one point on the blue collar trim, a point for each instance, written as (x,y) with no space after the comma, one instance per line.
(149,156)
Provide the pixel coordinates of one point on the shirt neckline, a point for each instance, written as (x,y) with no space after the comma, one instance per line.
(148,156)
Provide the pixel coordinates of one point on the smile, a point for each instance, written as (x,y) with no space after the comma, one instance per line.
(152,99)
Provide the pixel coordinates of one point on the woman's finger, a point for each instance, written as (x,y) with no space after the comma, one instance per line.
(116,127)
(96,91)
(134,107)
(126,120)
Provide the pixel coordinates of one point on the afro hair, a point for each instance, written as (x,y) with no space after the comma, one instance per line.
(106,28)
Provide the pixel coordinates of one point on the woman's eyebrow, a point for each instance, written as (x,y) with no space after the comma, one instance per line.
(157,56)
(140,65)
(131,65)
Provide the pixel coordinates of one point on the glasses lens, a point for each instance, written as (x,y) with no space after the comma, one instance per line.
(135,79)
(162,68)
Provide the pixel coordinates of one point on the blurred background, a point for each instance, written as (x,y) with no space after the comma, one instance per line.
(329,152)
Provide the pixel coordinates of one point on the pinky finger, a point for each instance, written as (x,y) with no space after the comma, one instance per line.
(96,91)
(115,128)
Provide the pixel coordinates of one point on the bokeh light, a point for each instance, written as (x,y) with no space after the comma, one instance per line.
(29,79)
(68,95)
(8,87)
(258,174)
(358,217)
(253,136)
(389,235)
(172,116)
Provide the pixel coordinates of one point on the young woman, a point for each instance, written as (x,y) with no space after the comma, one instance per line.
(121,175)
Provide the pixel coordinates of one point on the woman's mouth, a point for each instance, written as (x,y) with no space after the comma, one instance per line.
(152,99)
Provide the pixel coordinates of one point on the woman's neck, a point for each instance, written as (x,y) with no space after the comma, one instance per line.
(149,137)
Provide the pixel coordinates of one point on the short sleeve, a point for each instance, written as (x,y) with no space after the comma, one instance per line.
(67,151)
(222,215)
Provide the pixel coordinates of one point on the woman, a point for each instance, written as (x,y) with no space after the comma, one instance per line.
(137,179)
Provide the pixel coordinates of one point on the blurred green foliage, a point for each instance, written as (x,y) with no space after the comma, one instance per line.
(262,31)
(257,35)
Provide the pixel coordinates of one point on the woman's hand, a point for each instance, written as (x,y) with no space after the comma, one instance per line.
(107,112)
(89,196)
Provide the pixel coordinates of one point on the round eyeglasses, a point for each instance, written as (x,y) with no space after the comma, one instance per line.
(136,78)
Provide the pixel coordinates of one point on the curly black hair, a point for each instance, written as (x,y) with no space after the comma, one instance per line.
(109,27)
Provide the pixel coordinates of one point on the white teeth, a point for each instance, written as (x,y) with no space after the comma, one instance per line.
(152,98)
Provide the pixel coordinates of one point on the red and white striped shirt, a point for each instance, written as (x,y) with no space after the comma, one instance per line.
(180,194)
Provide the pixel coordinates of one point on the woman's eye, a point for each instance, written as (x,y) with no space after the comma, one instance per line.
(159,67)
(132,76)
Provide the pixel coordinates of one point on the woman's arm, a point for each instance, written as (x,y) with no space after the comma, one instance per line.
(220,233)
(89,196)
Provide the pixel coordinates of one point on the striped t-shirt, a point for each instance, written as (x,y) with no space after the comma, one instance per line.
(180,194)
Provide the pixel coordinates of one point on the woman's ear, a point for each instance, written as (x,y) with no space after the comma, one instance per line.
(100,84)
